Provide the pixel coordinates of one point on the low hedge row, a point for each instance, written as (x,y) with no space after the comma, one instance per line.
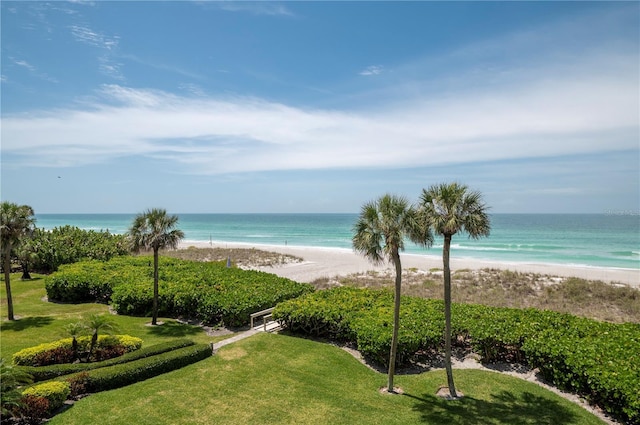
(55,393)
(120,375)
(595,359)
(210,292)
(43,373)
(29,356)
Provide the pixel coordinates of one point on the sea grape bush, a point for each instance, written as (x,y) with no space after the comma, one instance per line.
(54,352)
(68,244)
(596,359)
(210,292)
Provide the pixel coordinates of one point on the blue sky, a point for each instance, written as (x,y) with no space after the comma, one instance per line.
(319,106)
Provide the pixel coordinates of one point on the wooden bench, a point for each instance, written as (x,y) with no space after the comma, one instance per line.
(265,314)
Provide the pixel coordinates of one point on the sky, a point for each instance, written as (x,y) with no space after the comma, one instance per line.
(276,107)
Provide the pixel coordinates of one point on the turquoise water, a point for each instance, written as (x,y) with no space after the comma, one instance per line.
(597,240)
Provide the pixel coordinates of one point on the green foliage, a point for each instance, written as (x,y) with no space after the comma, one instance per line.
(120,375)
(68,244)
(595,359)
(11,379)
(42,373)
(29,356)
(210,292)
(54,391)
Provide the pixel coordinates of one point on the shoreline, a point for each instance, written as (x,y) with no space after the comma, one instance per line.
(326,262)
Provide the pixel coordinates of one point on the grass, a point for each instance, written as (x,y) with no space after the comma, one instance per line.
(282,379)
(241,257)
(277,379)
(41,321)
(502,288)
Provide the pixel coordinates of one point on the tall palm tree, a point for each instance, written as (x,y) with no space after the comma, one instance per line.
(155,230)
(450,208)
(379,235)
(16,223)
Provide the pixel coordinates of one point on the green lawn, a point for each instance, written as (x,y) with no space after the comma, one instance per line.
(280,379)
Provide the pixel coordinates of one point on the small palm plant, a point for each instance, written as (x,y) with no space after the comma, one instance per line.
(75,330)
(98,323)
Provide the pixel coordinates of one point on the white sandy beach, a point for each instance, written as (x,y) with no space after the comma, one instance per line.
(329,262)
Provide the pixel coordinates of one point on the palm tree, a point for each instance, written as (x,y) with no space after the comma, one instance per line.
(450,209)
(75,329)
(98,323)
(16,223)
(379,235)
(155,230)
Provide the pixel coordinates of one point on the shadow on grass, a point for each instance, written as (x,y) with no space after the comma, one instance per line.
(505,408)
(27,322)
(174,329)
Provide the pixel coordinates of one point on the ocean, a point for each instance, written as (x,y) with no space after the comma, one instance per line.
(595,240)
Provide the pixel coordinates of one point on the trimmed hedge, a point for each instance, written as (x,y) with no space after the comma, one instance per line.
(55,393)
(43,373)
(595,359)
(117,376)
(210,292)
(28,356)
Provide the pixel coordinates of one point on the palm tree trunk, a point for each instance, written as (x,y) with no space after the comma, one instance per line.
(154,320)
(7,281)
(396,320)
(447,315)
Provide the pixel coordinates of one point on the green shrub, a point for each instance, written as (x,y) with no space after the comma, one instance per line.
(121,375)
(31,355)
(54,391)
(68,244)
(43,373)
(210,292)
(597,360)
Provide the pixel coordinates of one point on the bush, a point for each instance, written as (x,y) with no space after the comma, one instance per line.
(54,391)
(34,409)
(43,373)
(68,244)
(48,351)
(121,375)
(210,292)
(595,359)
(78,384)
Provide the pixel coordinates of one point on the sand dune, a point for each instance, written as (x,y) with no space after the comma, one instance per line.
(329,262)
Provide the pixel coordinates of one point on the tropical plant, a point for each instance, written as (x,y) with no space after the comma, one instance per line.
(155,230)
(11,379)
(26,255)
(74,330)
(451,208)
(380,232)
(16,223)
(98,323)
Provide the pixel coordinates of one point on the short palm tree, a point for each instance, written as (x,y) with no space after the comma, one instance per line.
(451,209)
(16,223)
(95,324)
(155,230)
(380,232)
(74,330)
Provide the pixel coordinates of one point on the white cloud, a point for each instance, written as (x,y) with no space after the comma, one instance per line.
(372,70)
(33,70)
(549,116)
(257,8)
(108,46)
